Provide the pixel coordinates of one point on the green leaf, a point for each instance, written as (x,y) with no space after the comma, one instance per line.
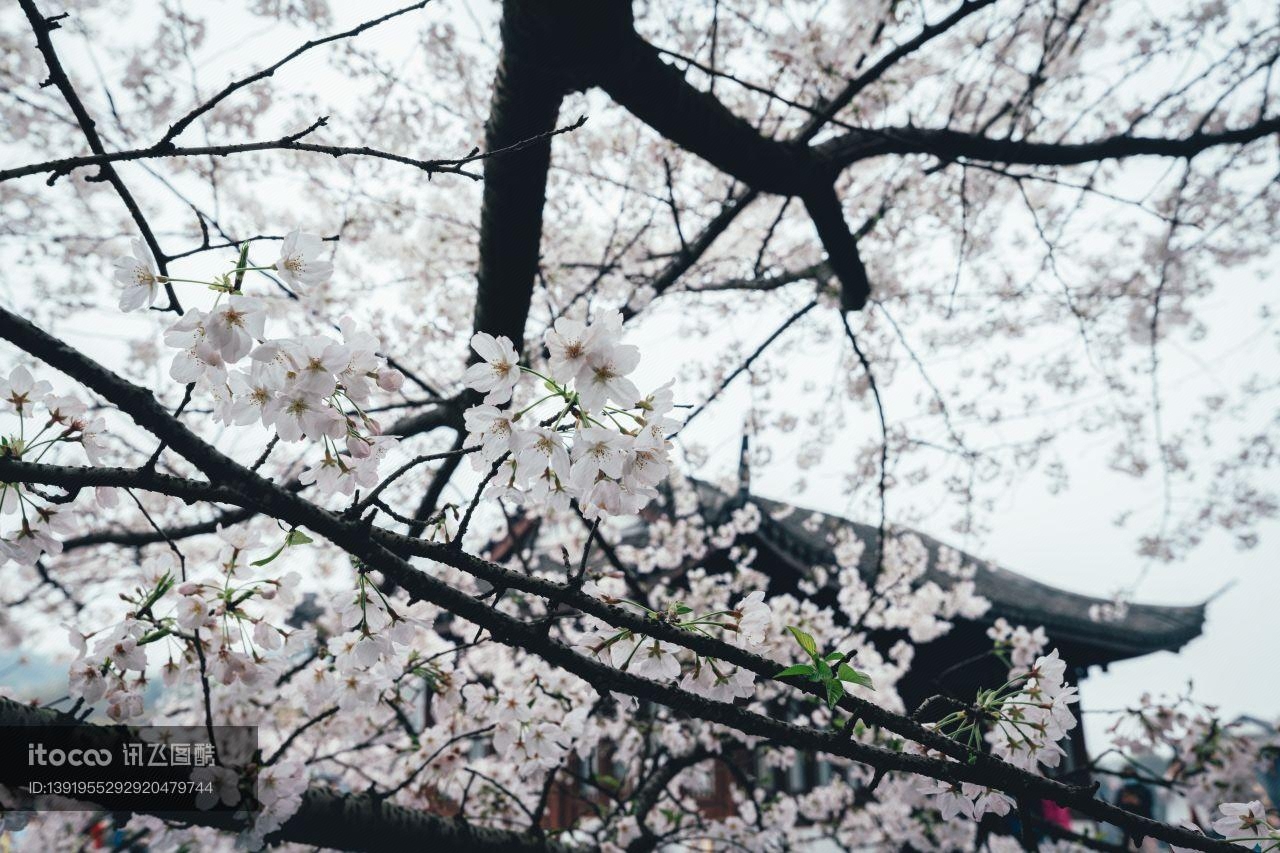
(848,673)
(293,537)
(806,641)
(267,559)
(833,656)
(825,671)
(297,537)
(682,609)
(797,669)
(834,691)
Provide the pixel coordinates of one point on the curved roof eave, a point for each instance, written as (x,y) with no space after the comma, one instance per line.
(1144,628)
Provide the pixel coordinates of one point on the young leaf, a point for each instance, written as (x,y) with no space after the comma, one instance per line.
(848,673)
(806,641)
(797,669)
(293,537)
(834,691)
(267,559)
(297,537)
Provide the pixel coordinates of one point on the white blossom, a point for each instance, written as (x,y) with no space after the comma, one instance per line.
(498,372)
(299,264)
(21,391)
(137,274)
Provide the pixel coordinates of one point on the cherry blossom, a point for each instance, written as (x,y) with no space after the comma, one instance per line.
(606,377)
(1246,824)
(234,326)
(42,521)
(137,273)
(499,371)
(490,429)
(299,263)
(21,391)
(571,343)
(755,617)
(198,359)
(609,460)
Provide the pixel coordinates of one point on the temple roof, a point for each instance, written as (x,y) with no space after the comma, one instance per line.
(803,538)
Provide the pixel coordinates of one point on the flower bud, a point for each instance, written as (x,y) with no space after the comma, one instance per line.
(390,379)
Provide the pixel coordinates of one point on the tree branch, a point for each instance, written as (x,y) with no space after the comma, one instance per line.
(58,77)
(363,542)
(948,145)
(231,88)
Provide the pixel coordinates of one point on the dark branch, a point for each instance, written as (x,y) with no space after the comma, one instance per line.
(286,143)
(950,145)
(58,77)
(182,123)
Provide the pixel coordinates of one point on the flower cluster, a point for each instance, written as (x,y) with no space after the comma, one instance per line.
(964,799)
(655,659)
(604,446)
(1023,721)
(279,791)
(377,626)
(1111,611)
(684,536)
(375,649)
(1022,645)
(1032,719)
(1214,759)
(236,644)
(531,732)
(62,421)
(313,387)
(902,595)
(104,672)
